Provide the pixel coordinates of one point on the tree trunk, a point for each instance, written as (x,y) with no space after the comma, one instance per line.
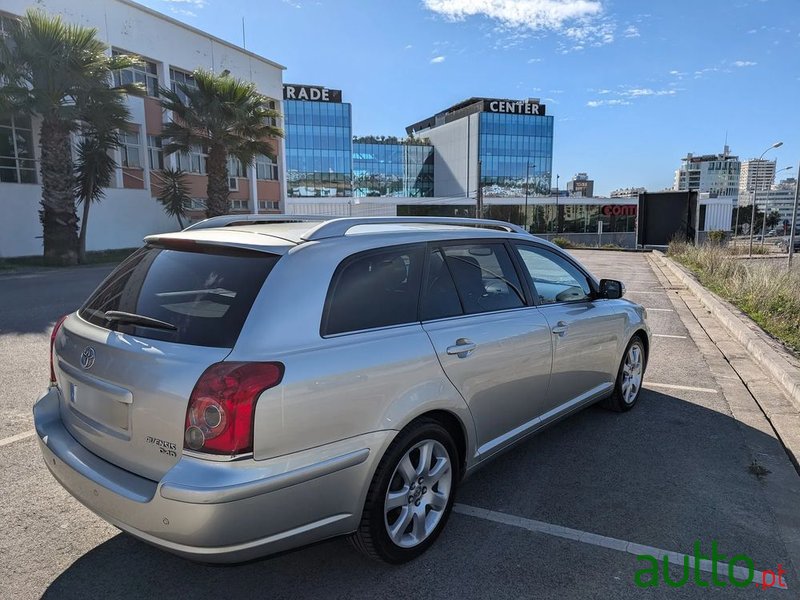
(58,217)
(180,222)
(82,236)
(217,189)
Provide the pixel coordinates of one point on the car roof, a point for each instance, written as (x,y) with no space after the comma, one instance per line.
(281,235)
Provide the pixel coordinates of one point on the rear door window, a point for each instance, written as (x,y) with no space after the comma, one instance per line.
(205,295)
(484,276)
(440,298)
(374,289)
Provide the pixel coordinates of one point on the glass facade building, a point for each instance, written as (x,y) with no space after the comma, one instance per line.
(318,148)
(513,148)
(392,169)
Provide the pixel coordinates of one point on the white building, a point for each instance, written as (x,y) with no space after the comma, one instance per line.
(711,173)
(779,198)
(631,192)
(171,50)
(756,175)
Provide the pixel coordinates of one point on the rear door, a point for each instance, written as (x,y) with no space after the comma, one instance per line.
(125,386)
(492,344)
(586,332)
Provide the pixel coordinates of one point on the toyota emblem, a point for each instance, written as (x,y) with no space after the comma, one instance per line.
(87,357)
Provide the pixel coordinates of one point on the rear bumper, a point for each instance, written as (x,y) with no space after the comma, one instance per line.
(219,511)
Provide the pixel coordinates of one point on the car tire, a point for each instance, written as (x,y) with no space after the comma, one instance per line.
(630,377)
(414,508)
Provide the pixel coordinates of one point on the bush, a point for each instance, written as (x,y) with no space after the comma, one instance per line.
(562,242)
(764,289)
(716,237)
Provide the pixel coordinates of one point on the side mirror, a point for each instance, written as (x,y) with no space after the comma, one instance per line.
(611,289)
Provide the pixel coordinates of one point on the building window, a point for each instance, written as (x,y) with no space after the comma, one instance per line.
(197,204)
(145,73)
(193,161)
(273,121)
(266,169)
(155,155)
(235,167)
(269,204)
(130,150)
(17,161)
(238,204)
(178,77)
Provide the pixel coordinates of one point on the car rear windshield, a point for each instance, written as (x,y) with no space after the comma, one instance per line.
(206,296)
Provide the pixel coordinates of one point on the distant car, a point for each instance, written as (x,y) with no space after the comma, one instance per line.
(772,233)
(785,244)
(245,387)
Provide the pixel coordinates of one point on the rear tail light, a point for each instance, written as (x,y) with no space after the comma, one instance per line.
(53,335)
(219,419)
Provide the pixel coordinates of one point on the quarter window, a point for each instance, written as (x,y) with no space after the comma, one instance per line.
(375,289)
(554,278)
(484,276)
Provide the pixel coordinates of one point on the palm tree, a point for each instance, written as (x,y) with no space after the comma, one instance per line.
(173,193)
(103,115)
(224,117)
(48,66)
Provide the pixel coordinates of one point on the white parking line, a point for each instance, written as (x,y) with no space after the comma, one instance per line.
(593,539)
(689,388)
(16,438)
(659,310)
(641,292)
(666,335)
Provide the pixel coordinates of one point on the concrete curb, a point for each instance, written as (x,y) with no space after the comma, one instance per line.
(781,365)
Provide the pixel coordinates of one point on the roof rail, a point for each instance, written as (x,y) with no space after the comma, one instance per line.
(233,220)
(339,227)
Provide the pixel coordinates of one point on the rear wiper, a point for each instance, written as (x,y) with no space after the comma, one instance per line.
(126,317)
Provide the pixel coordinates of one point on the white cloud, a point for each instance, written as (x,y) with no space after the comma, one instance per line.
(744,63)
(197,3)
(408,47)
(636,92)
(534,60)
(631,32)
(612,102)
(437,59)
(580,20)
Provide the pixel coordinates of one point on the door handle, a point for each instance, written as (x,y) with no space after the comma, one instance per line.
(462,348)
(560,329)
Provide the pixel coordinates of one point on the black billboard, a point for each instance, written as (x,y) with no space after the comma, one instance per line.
(311,93)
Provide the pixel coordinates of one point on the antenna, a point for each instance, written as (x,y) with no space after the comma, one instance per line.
(244,39)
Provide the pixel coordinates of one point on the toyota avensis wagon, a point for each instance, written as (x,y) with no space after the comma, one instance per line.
(250,385)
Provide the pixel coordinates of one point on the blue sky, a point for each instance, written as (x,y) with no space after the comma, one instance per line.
(633,84)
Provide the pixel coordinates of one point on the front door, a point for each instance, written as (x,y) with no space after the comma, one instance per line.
(586,332)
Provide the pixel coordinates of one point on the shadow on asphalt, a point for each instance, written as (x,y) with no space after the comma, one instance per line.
(665,474)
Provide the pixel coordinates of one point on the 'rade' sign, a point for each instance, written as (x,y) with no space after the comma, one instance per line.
(311,93)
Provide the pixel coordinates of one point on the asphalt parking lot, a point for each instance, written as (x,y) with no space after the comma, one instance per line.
(561,516)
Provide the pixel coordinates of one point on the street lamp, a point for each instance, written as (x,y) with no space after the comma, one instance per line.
(753,212)
(766,206)
(558,229)
(527,182)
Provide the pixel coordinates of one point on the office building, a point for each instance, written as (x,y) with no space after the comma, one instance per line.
(581,186)
(509,141)
(712,173)
(779,198)
(391,167)
(756,175)
(170,51)
(631,192)
(319,133)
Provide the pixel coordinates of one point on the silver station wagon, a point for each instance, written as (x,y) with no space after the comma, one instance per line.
(253,384)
